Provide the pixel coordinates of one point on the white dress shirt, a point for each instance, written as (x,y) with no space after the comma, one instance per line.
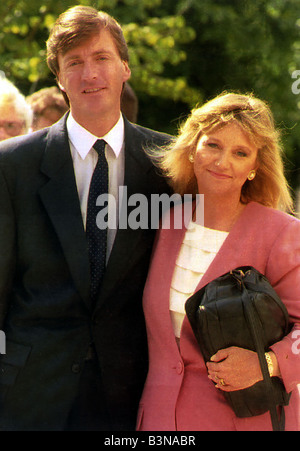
(199,248)
(85,160)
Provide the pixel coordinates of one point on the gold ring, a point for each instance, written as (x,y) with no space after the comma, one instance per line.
(222,382)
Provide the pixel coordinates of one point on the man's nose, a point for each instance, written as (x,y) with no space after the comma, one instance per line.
(89,71)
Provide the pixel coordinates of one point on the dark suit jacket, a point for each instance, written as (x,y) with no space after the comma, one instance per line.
(44,285)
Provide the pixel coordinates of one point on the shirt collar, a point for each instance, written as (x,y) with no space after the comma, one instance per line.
(82,140)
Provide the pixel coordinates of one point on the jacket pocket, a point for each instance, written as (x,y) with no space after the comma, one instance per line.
(10,365)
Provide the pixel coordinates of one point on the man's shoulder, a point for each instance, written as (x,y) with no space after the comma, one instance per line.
(26,146)
(147,134)
(20,144)
(150,132)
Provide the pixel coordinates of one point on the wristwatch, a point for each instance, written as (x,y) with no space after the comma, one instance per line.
(270,363)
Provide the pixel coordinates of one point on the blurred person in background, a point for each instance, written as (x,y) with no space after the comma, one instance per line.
(15,113)
(129,103)
(48,105)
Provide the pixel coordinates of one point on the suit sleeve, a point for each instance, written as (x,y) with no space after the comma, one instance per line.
(7,247)
(284,273)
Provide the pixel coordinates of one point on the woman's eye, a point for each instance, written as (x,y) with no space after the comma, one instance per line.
(241,153)
(212,145)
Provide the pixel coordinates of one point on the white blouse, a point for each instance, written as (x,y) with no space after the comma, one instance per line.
(199,248)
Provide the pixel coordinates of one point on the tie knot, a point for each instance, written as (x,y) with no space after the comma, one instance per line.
(99,146)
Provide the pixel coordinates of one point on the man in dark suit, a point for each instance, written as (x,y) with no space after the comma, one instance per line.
(73,362)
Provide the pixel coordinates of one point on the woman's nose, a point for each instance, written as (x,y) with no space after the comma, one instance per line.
(222,160)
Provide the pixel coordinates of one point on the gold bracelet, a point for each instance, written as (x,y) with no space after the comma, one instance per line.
(270,363)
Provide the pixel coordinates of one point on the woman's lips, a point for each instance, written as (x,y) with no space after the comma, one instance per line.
(219,175)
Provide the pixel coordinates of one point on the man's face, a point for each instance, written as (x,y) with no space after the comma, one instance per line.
(92,75)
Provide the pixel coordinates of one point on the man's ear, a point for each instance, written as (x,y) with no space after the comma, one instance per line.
(59,84)
(127,71)
(63,91)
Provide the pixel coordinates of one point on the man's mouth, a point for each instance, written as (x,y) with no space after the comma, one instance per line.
(92,90)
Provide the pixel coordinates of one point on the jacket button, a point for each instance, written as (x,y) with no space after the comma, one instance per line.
(76,368)
(179,368)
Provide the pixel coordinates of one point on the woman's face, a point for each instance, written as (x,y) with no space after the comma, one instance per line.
(223,160)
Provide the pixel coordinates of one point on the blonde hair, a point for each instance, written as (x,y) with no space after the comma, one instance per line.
(254,116)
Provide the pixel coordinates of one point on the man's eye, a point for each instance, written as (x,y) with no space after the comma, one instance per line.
(73,63)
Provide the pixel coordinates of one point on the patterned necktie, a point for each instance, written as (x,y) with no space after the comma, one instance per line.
(96,236)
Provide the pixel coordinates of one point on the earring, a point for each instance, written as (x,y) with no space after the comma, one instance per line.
(251,175)
(191,158)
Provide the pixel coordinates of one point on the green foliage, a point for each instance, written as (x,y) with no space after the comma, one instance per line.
(248,46)
(153,46)
(154,42)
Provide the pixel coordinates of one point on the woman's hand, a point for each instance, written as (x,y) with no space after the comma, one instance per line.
(235,368)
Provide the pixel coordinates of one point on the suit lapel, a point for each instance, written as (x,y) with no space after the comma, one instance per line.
(129,244)
(60,199)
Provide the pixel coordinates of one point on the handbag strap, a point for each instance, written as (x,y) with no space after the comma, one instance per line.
(278,421)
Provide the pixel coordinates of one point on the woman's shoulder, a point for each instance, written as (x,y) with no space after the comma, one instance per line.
(270,216)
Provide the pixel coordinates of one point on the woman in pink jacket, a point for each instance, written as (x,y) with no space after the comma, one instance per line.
(229,151)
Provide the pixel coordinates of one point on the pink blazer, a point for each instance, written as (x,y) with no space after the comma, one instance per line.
(178,394)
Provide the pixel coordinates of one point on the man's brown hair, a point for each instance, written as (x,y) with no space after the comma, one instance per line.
(75,26)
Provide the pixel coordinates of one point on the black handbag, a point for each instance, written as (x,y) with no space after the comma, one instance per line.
(242,309)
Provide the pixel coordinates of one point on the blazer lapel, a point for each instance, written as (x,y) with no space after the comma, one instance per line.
(60,199)
(232,253)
